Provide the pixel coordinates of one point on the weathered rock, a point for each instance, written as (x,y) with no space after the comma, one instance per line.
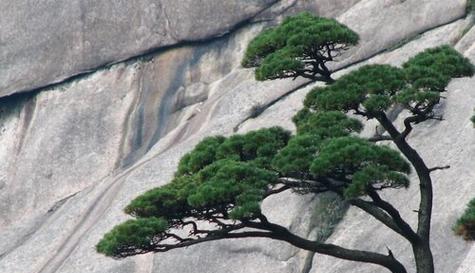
(325,8)
(42,42)
(448,142)
(75,154)
(89,138)
(467,43)
(384,24)
(467,264)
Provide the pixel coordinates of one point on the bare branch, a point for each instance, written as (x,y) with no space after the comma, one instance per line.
(395,215)
(178,238)
(377,213)
(378,138)
(439,168)
(276,191)
(211,237)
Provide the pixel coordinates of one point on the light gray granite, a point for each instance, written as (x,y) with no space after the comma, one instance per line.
(42,42)
(76,153)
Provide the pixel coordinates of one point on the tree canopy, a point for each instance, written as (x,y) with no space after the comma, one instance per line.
(374,88)
(219,186)
(300,46)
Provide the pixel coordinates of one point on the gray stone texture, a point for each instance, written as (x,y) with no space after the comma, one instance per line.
(75,153)
(42,42)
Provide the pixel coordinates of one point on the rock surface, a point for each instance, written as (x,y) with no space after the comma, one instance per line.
(42,42)
(75,153)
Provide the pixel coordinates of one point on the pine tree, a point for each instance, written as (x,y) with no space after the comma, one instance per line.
(218,188)
(301,46)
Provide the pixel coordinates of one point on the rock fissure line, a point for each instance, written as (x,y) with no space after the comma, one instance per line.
(29,111)
(263,252)
(126,126)
(95,211)
(282,10)
(271,103)
(116,181)
(39,224)
(141,56)
(101,204)
(308,263)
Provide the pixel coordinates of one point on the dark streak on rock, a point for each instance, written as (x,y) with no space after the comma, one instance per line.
(142,56)
(28,110)
(60,203)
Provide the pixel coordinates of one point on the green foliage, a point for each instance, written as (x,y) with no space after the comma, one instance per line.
(465,226)
(312,127)
(224,180)
(288,49)
(237,184)
(221,175)
(257,146)
(376,176)
(362,164)
(294,160)
(202,155)
(423,77)
(132,235)
(261,46)
(325,124)
(371,85)
(428,74)
(374,88)
(444,60)
(198,181)
(172,198)
(279,64)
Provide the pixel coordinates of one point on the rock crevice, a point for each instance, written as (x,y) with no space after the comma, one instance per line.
(116,130)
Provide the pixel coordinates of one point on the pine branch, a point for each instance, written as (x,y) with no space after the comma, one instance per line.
(439,168)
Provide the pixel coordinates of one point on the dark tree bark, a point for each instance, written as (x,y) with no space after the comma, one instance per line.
(421,247)
(388,261)
(265,229)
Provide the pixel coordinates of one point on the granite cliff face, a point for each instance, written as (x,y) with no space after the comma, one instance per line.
(100,99)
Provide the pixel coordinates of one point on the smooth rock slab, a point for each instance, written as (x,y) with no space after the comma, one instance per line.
(43,42)
(143,115)
(200,96)
(383,24)
(448,142)
(63,140)
(451,141)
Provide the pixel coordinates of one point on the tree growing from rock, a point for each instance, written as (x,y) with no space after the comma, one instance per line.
(300,47)
(219,186)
